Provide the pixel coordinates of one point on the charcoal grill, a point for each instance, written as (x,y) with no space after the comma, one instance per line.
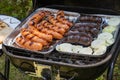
(60,65)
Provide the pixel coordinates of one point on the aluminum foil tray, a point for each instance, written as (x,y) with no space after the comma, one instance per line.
(113,22)
(10,40)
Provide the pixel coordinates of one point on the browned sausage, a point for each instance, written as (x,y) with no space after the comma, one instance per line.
(57,23)
(27,44)
(42,35)
(61,17)
(48,25)
(36,18)
(29,36)
(53,33)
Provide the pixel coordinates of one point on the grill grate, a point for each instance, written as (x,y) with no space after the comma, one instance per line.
(62,58)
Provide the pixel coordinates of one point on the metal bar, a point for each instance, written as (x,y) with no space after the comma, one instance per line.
(35,4)
(1,52)
(2,77)
(7,68)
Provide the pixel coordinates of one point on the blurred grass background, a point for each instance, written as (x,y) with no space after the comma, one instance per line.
(16,8)
(20,9)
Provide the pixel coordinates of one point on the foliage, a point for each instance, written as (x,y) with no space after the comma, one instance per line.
(15,8)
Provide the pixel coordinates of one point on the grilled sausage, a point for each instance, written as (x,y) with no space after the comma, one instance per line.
(39,16)
(61,17)
(53,33)
(96,19)
(27,44)
(57,23)
(79,38)
(52,27)
(61,13)
(44,36)
(29,36)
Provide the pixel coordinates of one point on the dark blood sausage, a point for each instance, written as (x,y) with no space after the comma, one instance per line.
(89,25)
(90,28)
(84,31)
(87,18)
(79,38)
(72,33)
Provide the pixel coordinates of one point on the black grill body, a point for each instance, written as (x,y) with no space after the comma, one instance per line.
(24,60)
(103,4)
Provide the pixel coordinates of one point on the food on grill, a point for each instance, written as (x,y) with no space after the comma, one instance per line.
(76,48)
(88,36)
(38,17)
(90,28)
(55,35)
(55,22)
(109,29)
(2,38)
(105,36)
(99,51)
(79,38)
(42,35)
(98,43)
(87,18)
(114,21)
(26,34)
(103,40)
(28,44)
(85,31)
(110,41)
(5,30)
(46,24)
(3,25)
(86,50)
(61,18)
(43,28)
(67,47)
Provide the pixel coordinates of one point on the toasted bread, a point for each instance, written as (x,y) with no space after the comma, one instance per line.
(4,31)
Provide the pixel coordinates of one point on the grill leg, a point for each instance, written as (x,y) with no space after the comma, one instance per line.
(2,77)
(7,68)
(112,65)
(1,52)
(110,72)
(34,4)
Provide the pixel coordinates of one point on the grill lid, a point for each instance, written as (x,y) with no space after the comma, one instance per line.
(103,4)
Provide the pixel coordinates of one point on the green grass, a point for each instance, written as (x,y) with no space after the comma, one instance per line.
(20,9)
(15,8)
